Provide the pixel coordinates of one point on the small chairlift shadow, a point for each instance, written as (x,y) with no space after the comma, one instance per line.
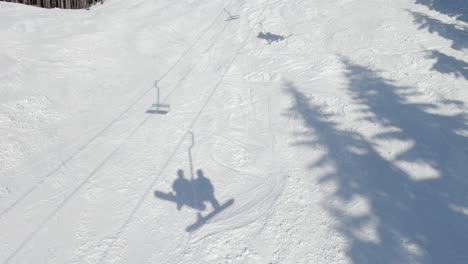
(231,17)
(270,37)
(158,108)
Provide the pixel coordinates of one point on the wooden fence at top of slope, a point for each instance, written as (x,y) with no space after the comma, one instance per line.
(65,4)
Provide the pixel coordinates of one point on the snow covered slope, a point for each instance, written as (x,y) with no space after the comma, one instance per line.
(298,132)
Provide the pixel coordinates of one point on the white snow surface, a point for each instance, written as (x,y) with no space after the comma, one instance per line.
(344,140)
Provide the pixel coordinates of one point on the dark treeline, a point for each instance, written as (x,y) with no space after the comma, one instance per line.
(66,4)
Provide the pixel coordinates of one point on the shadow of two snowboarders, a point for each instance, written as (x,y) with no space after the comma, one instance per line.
(194,193)
(270,38)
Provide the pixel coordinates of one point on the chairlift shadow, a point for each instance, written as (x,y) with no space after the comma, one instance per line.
(194,192)
(270,37)
(231,17)
(158,108)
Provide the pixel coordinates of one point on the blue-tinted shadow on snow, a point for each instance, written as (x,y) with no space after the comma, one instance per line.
(270,38)
(458,35)
(161,109)
(453,8)
(415,220)
(446,64)
(195,193)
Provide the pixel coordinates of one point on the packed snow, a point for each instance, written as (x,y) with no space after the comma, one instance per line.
(235,131)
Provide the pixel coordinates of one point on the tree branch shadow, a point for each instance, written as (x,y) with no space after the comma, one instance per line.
(446,64)
(415,220)
(458,35)
(453,8)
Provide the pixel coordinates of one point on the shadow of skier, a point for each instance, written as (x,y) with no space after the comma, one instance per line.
(205,190)
(194,193)
(270,38)
(185,193)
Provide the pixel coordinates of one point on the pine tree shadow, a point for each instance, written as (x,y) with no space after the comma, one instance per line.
(422,220)
(453,8)
(270,38)
(458,35)
(446,64)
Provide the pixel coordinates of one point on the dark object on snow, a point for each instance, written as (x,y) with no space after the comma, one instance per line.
(231,17)
(65,4)
(158,108)
(201,220)
(195,193)
(271,37)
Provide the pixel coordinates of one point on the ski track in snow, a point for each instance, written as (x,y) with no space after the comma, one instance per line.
(332,137)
